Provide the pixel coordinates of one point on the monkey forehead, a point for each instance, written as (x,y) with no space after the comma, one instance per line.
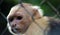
(17,7)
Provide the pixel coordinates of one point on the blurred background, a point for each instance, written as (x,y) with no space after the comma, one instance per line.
(50,8)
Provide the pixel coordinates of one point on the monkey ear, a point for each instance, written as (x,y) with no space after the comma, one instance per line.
(37,12)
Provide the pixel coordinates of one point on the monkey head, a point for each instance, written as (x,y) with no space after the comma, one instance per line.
(19,19)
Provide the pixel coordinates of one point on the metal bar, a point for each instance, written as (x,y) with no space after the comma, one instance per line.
(42,2)
(53,8)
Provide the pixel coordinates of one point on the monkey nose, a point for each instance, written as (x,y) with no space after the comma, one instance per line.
(13,25)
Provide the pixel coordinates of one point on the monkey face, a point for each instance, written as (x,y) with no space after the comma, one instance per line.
(19,21)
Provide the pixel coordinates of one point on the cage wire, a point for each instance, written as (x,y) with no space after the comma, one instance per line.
(42,2)
(1,1)
(6,20)
(57,12)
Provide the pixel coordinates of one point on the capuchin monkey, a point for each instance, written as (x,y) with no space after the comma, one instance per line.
(27,19)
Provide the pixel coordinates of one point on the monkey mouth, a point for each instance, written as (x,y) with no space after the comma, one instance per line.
(16,31)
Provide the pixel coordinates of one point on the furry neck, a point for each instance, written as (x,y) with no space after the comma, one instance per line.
(38,27)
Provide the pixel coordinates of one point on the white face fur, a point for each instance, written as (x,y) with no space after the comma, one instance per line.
(15,8)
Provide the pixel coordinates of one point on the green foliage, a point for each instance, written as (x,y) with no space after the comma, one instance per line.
(34,2)
(55,2)
(47,10)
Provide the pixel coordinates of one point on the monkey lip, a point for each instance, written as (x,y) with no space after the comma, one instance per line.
(16,30)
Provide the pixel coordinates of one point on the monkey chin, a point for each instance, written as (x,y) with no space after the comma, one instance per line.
(13,31)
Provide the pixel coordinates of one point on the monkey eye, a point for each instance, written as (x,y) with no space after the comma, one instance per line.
(19,18)
(11,19)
